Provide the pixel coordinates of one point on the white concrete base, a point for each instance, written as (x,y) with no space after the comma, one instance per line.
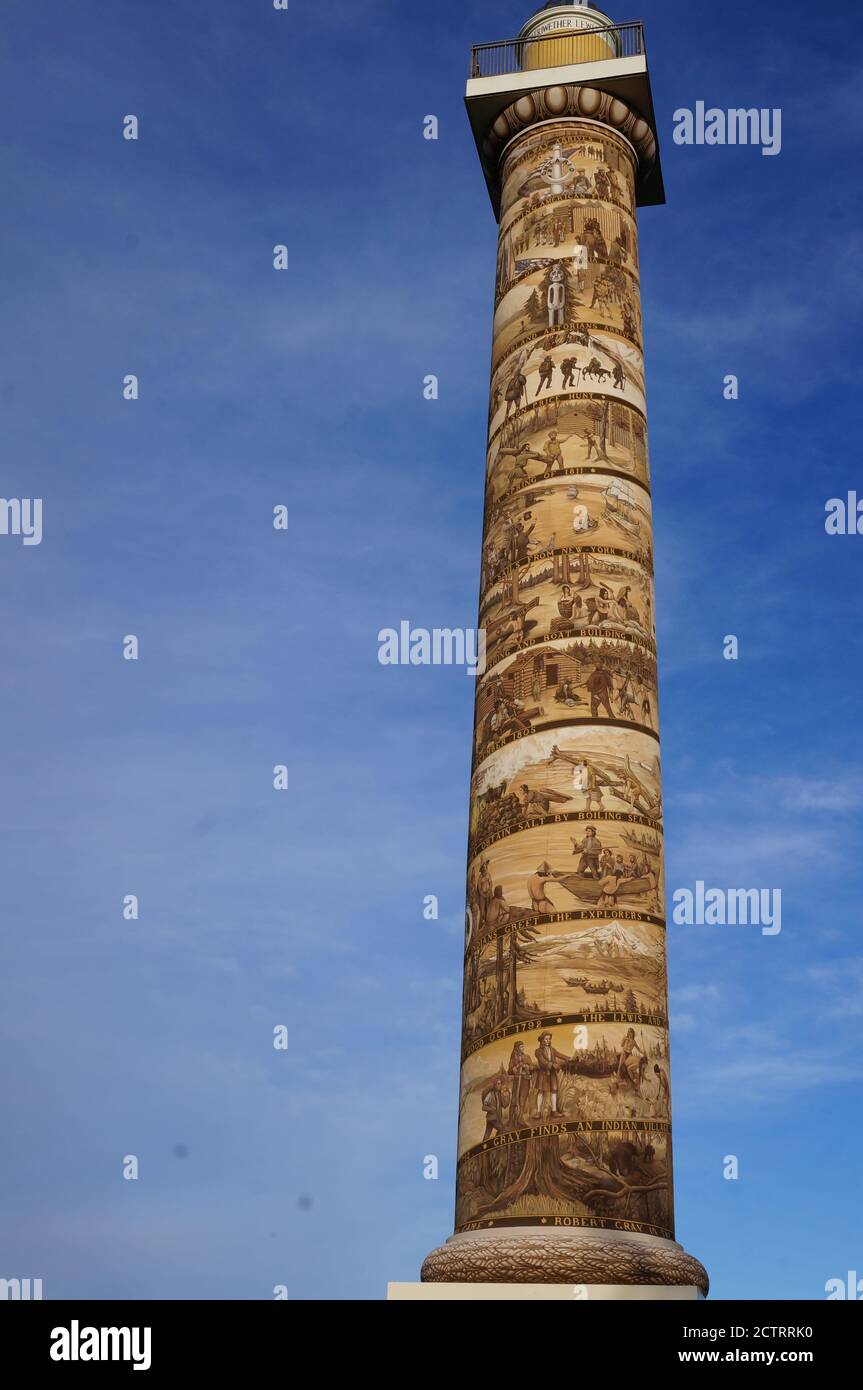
(563,1293)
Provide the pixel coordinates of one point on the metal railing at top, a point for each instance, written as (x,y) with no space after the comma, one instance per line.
(557,49)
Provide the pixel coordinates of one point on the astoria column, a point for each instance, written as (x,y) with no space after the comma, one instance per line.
(564,1168)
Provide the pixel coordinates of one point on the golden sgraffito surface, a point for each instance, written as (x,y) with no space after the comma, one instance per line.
(565,1106)
(563,49)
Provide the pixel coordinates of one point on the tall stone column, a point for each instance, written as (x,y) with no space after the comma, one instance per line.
(564,1144)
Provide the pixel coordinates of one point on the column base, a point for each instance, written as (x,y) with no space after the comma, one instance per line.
(561,1293)
(584,1257)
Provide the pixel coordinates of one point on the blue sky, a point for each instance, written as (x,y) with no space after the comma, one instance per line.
(304,908)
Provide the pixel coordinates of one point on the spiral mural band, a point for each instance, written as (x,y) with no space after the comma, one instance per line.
(565,1101)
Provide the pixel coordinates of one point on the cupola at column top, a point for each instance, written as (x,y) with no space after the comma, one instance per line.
(560,22)
(565,18)
(567,59)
